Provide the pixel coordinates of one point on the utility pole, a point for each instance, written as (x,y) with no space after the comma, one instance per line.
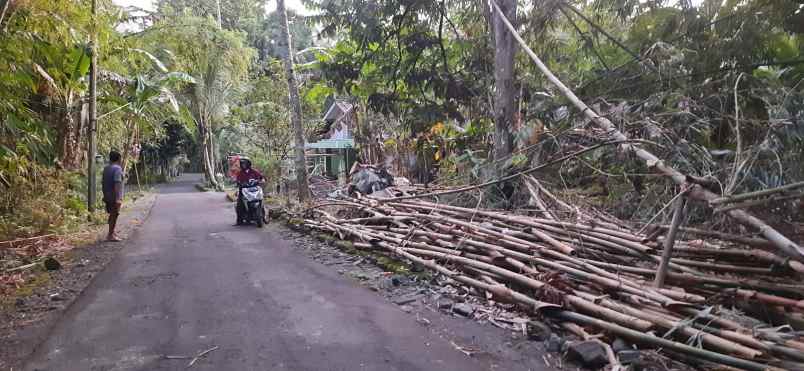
(296,113)
(93,112)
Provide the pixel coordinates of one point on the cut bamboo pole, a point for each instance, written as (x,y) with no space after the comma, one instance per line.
(667,252)
(712,341)
(750,195)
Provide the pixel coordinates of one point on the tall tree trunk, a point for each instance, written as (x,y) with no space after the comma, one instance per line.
(68,139)
(211,148)
(296,113)
(206,164)
(213,159)
(129,144)
(504,95)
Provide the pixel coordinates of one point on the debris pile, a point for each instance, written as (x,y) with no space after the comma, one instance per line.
(722,303)
(368,179)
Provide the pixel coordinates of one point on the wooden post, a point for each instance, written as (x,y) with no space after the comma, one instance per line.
(669,241)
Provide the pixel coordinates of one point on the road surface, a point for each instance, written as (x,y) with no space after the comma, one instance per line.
(188,281)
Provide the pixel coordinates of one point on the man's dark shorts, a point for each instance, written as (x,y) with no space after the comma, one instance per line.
(113,208)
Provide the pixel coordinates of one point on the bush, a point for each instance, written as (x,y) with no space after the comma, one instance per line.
(42,201)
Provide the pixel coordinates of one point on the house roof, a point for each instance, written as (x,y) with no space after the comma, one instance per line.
(336,110)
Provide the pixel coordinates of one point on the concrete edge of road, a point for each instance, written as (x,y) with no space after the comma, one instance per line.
(20,341)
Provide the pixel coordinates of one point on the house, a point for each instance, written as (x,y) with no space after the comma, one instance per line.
(334,154)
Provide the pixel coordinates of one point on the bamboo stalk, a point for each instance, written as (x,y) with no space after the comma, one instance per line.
(667,253)
(713,341)
(750,195)
(770,299)
(745,205)
(756,242)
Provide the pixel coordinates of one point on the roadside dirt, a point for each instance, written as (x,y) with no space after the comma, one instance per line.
(28,318)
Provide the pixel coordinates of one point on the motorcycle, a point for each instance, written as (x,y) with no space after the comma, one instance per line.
(249,203)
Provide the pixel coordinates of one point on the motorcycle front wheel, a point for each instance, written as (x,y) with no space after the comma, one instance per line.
(260,217)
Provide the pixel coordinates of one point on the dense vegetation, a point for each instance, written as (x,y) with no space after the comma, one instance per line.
(178,91)
(716,86)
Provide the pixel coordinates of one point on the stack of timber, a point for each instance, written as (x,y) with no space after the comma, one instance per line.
(725,299)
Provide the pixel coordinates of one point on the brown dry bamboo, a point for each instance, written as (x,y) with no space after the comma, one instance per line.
(498,290)
(612,283)
(553,242)
(598,311)
(669,243)
(784,351)
(576,302)
(752,255)
(603,239)
(604,278)
(704,279)
(770,299)
(756,242)
(724,267)
(713,341)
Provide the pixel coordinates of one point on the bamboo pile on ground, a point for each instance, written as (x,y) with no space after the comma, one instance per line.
(596,273)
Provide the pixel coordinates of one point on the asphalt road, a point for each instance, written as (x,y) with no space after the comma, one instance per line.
(188,281)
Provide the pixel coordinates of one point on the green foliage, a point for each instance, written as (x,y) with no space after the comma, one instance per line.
(266,39)
(403,59)
(44,201)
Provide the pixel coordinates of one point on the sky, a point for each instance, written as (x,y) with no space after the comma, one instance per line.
(271,5)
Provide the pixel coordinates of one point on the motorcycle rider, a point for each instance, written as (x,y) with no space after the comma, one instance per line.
(245,174)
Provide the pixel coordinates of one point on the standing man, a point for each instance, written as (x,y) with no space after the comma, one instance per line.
(113,192)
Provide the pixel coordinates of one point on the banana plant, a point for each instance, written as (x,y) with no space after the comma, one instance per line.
(143,98)
(61,82)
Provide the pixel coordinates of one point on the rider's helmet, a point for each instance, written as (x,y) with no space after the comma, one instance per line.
(245,162)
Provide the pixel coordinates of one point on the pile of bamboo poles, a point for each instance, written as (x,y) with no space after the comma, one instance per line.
(597,273)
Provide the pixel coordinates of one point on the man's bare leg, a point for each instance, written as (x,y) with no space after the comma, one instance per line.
(112,236)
